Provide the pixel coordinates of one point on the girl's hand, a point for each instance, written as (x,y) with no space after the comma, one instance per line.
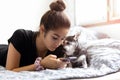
(52,62)
(62,63)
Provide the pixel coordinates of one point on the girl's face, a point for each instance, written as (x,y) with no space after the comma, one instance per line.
(54,38)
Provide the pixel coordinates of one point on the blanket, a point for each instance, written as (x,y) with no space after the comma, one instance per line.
(104,60)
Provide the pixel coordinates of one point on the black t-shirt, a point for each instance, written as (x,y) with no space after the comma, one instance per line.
(24,43)
(3,54)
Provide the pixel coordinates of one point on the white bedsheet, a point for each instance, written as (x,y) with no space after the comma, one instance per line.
(105,59)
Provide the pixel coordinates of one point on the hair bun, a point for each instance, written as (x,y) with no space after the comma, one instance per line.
(58,5)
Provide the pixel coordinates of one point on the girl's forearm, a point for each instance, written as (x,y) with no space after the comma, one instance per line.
(25,68)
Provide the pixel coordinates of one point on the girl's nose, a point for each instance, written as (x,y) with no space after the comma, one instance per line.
(59,43)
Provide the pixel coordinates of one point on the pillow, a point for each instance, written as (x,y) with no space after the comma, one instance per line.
(101,35)
(87,34)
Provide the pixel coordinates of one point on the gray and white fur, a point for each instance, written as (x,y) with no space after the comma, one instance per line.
(71,48)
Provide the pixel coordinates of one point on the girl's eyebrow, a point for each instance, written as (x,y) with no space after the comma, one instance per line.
(57,35)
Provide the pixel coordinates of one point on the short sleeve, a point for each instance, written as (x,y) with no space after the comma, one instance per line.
(18,40)
(24,42)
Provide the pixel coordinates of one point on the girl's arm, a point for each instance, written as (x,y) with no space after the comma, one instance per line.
(13,60)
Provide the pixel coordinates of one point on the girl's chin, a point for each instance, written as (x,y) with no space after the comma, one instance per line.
(52,49)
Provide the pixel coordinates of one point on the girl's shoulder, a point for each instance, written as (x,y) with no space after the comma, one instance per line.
(23,33)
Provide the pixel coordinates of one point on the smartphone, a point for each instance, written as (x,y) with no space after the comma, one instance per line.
(65,59)
(68,59)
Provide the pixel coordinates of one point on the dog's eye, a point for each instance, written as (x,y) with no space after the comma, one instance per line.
(68,43)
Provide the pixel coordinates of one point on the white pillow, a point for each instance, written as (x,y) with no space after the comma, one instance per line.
(85,34)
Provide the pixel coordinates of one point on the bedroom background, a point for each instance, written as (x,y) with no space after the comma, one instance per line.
(98,15)
(26,14)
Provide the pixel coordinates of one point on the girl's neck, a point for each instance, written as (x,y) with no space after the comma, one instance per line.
(40,47)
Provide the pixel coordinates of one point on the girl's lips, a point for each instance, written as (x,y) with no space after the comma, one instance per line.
(53,48)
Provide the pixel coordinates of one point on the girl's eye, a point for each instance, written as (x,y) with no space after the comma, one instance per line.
(55,38)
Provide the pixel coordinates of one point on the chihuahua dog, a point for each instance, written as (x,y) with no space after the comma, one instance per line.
(73,52)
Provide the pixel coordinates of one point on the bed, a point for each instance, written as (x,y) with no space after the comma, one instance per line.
(104,63)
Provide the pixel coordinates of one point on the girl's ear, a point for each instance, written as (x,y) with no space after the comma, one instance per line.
(42,28)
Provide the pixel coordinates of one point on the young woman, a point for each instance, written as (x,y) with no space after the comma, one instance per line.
(29,50)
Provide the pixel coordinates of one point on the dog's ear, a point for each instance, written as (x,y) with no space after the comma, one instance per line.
(76,36)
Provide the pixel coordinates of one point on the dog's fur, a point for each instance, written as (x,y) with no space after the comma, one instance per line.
(71,48)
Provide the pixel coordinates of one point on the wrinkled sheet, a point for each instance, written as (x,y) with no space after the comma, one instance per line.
(104,59)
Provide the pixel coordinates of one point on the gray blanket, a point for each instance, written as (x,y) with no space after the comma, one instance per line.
(105,59)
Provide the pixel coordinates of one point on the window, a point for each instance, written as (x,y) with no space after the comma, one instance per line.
(114,9)
(94,12)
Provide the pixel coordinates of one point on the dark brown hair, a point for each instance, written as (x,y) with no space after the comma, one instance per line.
(55,18)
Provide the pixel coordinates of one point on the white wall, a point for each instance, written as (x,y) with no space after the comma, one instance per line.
(70,10)
(15,14)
